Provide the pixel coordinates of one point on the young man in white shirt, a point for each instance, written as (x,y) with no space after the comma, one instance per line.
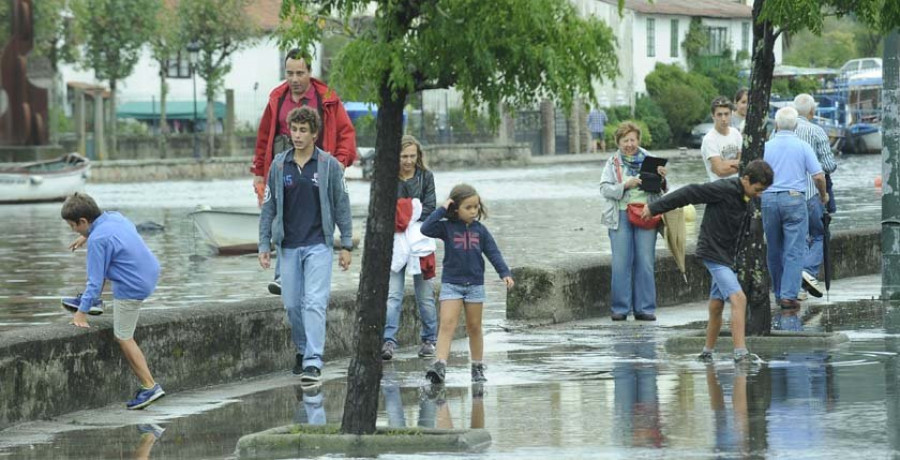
(721,148)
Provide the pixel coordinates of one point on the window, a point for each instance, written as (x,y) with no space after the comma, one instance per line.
(651,37)
(870,64)
(179,66)
(673,46)
(745,36)
(718,40)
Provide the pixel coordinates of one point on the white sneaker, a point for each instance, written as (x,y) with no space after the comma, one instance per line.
(802,295)
(811,284)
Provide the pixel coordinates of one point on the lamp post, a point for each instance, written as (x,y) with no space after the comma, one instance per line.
(193,49)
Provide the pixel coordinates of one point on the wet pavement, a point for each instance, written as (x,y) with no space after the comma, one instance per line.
(539,214)
(587,389)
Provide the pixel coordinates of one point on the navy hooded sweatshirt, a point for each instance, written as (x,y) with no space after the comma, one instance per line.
(463,248)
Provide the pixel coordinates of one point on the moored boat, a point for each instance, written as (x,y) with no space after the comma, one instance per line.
(43,181)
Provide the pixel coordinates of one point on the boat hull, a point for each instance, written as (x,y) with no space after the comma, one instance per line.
(19,185)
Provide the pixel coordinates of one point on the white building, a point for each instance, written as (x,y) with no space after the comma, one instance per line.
(255,71)
(650,33)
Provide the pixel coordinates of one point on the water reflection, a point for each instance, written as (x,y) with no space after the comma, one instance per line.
(802,393)
(310,405)
(731,423)
(434,410)
(150,433)
(637,401)
(787,320)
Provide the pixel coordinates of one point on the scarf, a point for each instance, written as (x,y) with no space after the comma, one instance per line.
(633,162)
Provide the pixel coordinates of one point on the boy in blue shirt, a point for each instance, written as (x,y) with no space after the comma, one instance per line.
(116,252)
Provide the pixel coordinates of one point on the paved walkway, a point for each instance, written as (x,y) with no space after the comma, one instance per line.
(524,366)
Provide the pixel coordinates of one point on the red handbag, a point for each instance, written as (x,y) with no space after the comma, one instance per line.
(634,209)
(634,216)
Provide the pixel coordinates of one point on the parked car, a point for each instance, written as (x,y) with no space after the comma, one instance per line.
(855,66)
(700,130)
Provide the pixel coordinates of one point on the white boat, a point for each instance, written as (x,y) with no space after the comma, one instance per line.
(43,181)
(232,231)
(228,231)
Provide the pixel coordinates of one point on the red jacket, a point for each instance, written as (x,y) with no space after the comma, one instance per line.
(338,134)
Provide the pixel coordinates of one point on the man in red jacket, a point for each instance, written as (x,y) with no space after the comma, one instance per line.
(337,135)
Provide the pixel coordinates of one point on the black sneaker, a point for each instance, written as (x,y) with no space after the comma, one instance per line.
(705,357)
(436,372)
(387,350)
(477,390)
(311,375)
(275,288)
(478,373)
(298,365)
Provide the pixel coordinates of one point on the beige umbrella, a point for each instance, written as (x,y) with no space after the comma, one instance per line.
(675,234)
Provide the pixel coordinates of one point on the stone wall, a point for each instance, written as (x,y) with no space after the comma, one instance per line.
(143,166)
(58,369)
(580,288)
(179,146)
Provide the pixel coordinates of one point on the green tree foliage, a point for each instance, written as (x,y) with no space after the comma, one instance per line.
(648,111)
(114,32)
(165,43)
(841,40)
(683,97)
(492,52)
(695,43)
(54,33)
(220,28)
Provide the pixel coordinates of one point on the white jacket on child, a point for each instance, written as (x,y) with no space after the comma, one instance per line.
(411,244)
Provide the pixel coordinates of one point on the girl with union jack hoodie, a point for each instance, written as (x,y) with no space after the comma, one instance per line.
(466,241)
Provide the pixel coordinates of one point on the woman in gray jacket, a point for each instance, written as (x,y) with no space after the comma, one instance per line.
(633,287)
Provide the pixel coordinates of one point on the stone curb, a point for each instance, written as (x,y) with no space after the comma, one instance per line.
(303,440)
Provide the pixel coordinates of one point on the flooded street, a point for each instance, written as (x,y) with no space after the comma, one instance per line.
(538,214)
(589,389)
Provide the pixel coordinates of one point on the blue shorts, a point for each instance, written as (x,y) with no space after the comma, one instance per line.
(473,293)
(724,281)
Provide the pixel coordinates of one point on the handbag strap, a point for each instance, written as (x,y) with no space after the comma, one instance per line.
(618,167)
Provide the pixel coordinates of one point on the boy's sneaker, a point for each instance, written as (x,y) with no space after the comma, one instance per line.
(802,295)
(811,284)
(151,428)
(275,287)
(144,398)
(747,358)
(436,372)
(387,350)
(71,304)
(426,350)
(311,376)
(706,357)
(478,373)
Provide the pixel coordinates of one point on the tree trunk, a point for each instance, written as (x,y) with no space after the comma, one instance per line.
(890,199)
(751,258)
(211,127)
(163,124)
(364,373)
(113,141)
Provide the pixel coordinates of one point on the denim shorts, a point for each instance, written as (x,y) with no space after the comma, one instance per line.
(473,293)
(724,281)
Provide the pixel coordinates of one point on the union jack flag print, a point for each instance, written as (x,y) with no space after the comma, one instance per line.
(466,241)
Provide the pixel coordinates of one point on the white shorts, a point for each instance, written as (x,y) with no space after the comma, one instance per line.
(125,317)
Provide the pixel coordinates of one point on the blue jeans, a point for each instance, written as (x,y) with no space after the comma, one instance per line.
(633,259)
(786,224)
(816,238)
(305,289)
(424,299)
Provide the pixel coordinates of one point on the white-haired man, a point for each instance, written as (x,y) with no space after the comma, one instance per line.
(784,213)
(814,136)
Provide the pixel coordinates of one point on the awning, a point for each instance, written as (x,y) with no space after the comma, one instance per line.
(175,110)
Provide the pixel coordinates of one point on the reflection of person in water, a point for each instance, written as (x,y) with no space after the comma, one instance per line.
(434,412)
(150,433)
(787,320)
(802,392)
(311,410)
(637,402)
(732,432)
